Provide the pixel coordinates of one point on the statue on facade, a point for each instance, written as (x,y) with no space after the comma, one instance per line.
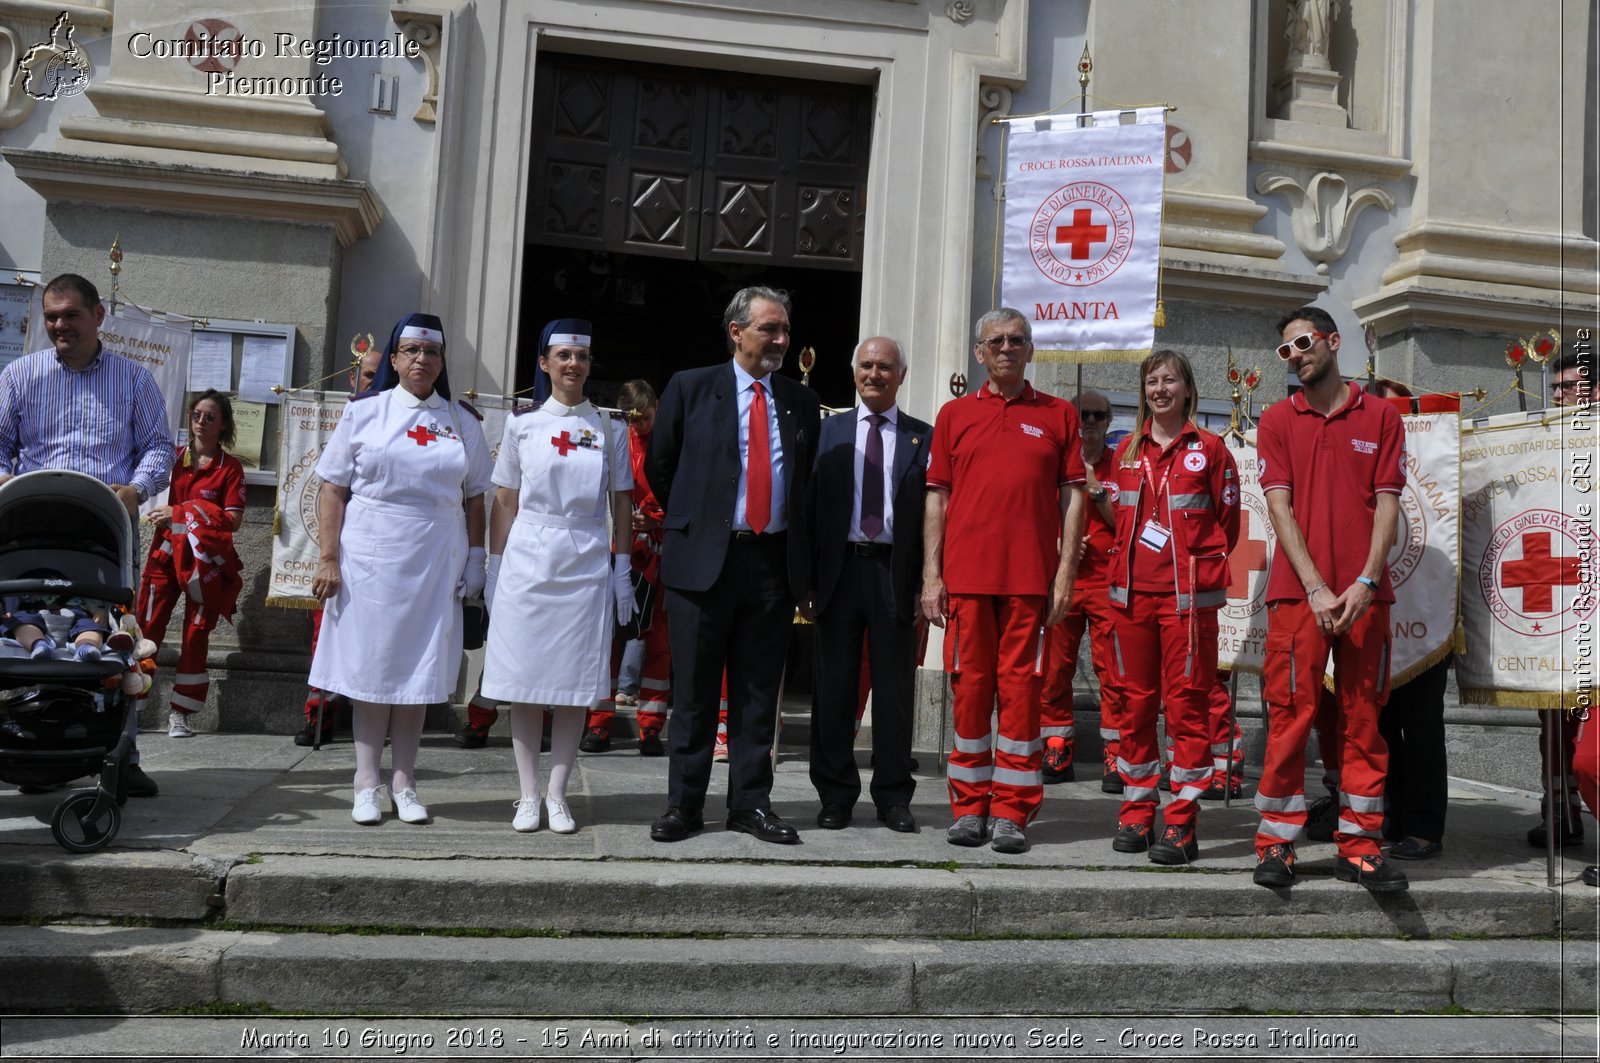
(1310,24)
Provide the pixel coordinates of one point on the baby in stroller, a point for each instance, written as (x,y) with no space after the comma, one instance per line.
(40,623)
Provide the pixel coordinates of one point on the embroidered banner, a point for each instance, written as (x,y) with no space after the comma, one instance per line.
(1083,232)
(162,349)
(1425,563)
(308,421)
(1528,573)
(1242,620)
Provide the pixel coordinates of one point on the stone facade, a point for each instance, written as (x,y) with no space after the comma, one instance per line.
(1424,167)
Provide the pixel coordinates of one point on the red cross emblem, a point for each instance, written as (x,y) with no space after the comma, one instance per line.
(421,435)
(1538,573)
(1080,234)
(1250,555)
(563,443)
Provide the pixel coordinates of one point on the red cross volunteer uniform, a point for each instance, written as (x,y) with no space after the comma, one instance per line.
(1004,465)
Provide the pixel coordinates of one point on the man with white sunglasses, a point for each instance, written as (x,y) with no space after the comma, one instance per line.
(1332,466)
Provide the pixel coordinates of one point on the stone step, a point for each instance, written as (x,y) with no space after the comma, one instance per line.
(666,898)
(117,969)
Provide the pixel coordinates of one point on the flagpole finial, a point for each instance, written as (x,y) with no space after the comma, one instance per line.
(1085,67)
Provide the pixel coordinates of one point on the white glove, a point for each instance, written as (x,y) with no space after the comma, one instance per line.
(470,585)
(622,586)
(492,577)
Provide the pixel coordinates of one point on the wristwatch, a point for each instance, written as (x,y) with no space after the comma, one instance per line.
(1099,494)
(141,493)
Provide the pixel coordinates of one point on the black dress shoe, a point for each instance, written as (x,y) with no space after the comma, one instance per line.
(139,784)
(898,818)
(1591,875)
(676,824)
(763,824)
(833,816)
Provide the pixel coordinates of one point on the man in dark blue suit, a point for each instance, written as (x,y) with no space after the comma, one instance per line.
(868,486)
(730,462)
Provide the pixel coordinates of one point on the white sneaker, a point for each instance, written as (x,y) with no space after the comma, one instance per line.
(366,811)
(559,815)
(408,808)
(178,724)
(527,817)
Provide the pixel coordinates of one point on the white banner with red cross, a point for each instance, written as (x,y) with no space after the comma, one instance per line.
(1528,572)
(309,419)
(1423,563)
(1082,247)
(1242,620)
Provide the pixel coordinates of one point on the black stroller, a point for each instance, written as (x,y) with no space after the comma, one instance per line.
(62,718)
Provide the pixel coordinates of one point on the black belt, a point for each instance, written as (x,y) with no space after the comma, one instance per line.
(753,537)
(869,549)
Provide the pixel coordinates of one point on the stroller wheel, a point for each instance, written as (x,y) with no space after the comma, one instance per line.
(75,833)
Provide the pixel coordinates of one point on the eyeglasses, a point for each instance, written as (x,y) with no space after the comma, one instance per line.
(1302,343)
(1000,343)
(1575,384)
(202,418)
(1094,416)
(417,353)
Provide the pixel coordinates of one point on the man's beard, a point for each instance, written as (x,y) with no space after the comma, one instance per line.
(771,363)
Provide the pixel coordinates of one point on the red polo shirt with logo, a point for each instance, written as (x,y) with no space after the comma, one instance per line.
(1005,465)
(1100,535)
(1334,468)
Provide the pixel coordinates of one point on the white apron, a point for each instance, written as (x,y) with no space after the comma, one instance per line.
(550,629)
(392,634)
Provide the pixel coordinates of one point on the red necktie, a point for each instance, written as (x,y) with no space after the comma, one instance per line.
(758,465)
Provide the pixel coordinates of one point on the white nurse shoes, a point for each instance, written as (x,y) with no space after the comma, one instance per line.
(559,815)
(409,809)
(366,811)
(527,817)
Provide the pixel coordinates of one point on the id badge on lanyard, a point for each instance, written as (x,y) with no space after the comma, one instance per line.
(1154,535)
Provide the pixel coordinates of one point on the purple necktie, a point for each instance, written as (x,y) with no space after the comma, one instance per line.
(872,479)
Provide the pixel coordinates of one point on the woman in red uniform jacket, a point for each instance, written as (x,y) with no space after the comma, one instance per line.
(1177,518)
(192,551)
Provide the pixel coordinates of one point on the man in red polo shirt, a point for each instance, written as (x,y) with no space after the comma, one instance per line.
(1004,514)
(1332,465)
(1090,608)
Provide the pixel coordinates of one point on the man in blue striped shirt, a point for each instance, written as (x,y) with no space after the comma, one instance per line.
(75,406)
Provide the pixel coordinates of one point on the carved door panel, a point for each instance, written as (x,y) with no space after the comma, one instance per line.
(617,167)
(687,164)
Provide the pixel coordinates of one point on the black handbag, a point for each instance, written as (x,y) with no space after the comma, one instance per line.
(644,597)
(474,623)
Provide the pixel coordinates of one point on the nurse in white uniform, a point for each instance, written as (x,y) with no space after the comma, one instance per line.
(558,569)
(401,515)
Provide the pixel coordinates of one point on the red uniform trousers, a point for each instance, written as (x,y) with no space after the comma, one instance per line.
(1164,657)
(481,712)
(1092,609)
(1586,762)
(1227,740)
(1296,658)
(994,646)
(313,695)
(1566,779)
(158,596)
(655,677)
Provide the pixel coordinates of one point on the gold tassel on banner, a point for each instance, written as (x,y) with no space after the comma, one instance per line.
(1091,357)
(277,522)
(1160,318)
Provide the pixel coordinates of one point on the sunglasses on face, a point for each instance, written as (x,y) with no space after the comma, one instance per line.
(1094,416)
(1000,343)
(1302,343)
(203,418)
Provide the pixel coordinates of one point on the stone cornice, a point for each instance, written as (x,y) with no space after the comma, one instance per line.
(83,16)
(1472,307)
(349,207)
(1198,277)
